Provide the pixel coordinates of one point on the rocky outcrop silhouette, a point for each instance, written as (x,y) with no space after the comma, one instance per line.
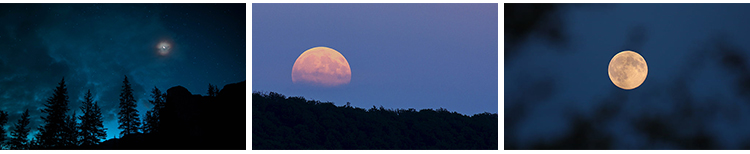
(193,122)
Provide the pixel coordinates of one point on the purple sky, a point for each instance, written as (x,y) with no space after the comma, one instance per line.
(401,55)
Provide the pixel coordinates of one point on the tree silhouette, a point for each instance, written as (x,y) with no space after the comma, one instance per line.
(147,120)
(3,121)
(92,128)
(20,132)
(128,115)
(71,131)
(34,143)
(151,123)
(213,90)
(296,123)
(182,133)
(52,132)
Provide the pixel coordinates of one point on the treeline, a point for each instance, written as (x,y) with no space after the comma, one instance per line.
(281,122)
(62,130)
(192,122)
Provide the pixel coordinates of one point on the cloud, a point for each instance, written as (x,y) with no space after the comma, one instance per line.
(92,46)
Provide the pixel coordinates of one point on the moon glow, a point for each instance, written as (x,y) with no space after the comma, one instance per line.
(163,48)
(321,66)
(627,70)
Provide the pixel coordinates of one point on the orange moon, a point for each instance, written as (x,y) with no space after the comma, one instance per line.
(321,66)
(628,70)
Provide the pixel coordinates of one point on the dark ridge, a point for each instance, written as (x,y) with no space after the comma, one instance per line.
(191,122)
(285,123)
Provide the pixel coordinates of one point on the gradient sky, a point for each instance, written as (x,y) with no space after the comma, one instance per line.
(696,55)
(95,45)
(401,55)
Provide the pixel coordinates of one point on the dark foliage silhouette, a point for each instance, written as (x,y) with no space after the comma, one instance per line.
(3,121)
(20,132)
(152,120)
(92,130)
(178,121)
(128,115)
(688,124)
(523,20)
(53,132)
(528,22)
(35,143)
(192,122)
(212,90)
(296,123)
(71,131)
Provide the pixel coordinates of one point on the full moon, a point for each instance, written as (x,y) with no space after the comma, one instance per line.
(321,66)
(163,48)
(628,70)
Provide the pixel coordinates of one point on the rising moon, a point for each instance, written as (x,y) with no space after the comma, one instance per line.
(627,70)
(321,66)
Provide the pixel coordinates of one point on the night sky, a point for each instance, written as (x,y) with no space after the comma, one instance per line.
(401,55)
(95,45)
(695,94)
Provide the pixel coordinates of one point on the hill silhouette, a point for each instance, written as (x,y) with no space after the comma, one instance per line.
(281,122)
(191,122)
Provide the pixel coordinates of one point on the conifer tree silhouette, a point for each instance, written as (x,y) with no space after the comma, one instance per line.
(34,142)
(71,133)
(128,115)
(20,132)
(92,128)
(152,120)
(3,121)
(52,132)
(213,90)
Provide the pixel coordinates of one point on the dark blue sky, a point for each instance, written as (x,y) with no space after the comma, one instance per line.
(401,55)
(95,45)
(696,89)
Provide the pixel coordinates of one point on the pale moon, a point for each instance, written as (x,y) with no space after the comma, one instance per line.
(628,70)
(321,66)
(163,48)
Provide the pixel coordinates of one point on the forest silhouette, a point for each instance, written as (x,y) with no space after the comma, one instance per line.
(284,123)
(179,120)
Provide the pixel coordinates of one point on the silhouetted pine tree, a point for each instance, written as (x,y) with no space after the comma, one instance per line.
(128,115)
(213,90)
(53,132)
(3,121)
(152,120)
(35,143)
(20,132)
(92,128)
(70,137)
(147,119)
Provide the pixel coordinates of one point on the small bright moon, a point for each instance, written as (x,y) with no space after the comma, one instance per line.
(321,66)
(163,48)
(628,70)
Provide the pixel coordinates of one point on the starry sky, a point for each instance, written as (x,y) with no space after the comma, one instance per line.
(401,55)
(696,90)
(93,46)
